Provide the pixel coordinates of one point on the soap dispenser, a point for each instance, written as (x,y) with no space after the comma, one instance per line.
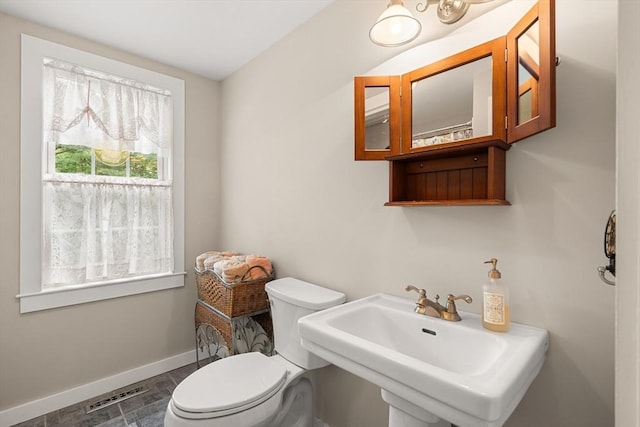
(495,309)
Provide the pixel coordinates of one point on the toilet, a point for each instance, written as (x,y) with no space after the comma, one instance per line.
(254,390)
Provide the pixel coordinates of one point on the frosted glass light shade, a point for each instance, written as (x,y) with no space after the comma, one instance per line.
(395,26)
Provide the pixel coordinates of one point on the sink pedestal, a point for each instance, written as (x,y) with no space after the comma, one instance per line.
(406,414)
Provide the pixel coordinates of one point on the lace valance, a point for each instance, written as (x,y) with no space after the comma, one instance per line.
(86,107)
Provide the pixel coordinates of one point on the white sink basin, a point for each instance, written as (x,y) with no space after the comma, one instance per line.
(457,371)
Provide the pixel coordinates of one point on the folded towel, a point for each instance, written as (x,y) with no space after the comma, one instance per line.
(231,271)
(259,266)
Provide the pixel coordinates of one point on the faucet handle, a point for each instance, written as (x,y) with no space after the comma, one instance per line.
(422,299)
(452,312)
(466,298)
(422,292)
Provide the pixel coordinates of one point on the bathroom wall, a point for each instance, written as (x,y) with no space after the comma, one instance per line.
(51,351)
(292,191)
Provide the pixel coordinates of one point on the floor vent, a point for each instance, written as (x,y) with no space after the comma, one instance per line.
(116,398)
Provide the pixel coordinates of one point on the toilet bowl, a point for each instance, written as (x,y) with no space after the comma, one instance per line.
(254,390)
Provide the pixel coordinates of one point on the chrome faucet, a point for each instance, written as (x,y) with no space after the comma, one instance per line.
(434,309)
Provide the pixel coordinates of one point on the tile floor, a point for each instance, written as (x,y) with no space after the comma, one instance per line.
(144,410)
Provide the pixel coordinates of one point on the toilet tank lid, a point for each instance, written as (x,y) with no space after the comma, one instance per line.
(304,294)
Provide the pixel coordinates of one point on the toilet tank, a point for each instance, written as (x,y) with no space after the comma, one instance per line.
(290,300)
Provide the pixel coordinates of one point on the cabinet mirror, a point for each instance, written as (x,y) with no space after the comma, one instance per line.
(528,74)
(451,106)
(377,117)
(456,99)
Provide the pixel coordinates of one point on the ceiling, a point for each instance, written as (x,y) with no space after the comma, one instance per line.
(212,38)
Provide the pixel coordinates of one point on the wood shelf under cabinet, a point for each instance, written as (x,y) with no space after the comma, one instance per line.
(455,175)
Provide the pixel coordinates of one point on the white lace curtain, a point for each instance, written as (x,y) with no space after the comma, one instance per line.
(104,111)
(100,232)
(101,228)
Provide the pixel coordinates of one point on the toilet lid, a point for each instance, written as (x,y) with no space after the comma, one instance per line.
(235,382)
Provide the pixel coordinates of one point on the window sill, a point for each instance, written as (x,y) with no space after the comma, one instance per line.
(78,295)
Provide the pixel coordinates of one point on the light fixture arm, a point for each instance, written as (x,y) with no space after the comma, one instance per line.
(449,11)
(422,7)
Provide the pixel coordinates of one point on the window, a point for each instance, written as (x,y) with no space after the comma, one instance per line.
(102,178)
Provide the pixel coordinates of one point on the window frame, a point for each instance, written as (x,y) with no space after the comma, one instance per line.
(32,297)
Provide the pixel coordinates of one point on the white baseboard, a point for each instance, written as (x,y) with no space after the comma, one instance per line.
(43,406)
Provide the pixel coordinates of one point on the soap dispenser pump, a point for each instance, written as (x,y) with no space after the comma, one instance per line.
(495,310)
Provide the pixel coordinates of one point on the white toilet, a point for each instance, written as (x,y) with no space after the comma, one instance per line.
(254,390)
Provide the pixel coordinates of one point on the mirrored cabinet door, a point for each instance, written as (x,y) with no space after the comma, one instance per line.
(457,100)
(531,73)
(377,117)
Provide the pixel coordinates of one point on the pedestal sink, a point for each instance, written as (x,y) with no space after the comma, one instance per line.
(430,370)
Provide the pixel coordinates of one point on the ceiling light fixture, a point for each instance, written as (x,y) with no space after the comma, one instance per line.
(397,26)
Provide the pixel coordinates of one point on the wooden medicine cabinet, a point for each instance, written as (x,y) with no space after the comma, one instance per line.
(445,127)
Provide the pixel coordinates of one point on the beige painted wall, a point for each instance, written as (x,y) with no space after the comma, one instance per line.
(51,351)
(292,191)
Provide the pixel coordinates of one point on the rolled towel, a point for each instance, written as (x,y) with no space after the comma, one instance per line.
(206,260)
(231,271)
(211,261)
(237,257)
(200,259)
(259,266)
(228,254)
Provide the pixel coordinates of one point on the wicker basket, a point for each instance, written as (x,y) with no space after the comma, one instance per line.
(207,315)
(233,299)
(224,326)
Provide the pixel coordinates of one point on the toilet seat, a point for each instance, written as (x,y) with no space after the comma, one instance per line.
(229,386)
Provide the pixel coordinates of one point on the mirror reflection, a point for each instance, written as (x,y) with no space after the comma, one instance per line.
(528,73)
(376,107)
(453,105)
